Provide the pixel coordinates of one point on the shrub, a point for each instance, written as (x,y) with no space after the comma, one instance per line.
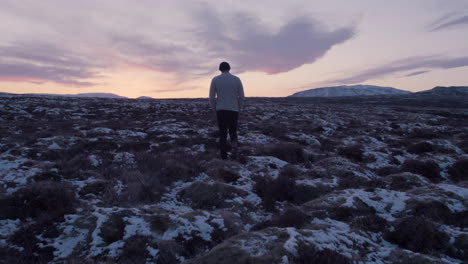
(194,245)
(346,214)
(459,170)
(134,147)
(428,169)
(349,180)
(278,131)
(47,176)
(270,191)
(141,188)
(460,247)
(289,171)
(387,170)
(420,148)
(419,235)
(284,188)
(31,252)
(433,210)
(208,196)
(169,252)
(463,145)
(73,167)
(45,201)
(289,152)
(327,144)
(399,256)
(134,250)
(424,133)
(96,188)
(225,171)
(159,223)
(403,181)
(315,129)
(228,175)
(372,223)
(458,219)
(225,255)
(101,144)
(353,152)
(291,217)
(310,254)
(170,167)
(112,229)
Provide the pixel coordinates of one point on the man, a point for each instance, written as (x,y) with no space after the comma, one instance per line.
(226,98)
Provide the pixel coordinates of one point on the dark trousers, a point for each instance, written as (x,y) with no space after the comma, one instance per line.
(227,121)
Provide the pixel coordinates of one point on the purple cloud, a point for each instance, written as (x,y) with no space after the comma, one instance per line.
(153,54)
(409,64)
(40,62)
(253,47)
(449,21)
(40,74)
(178,89)
(238,38)
(416,73)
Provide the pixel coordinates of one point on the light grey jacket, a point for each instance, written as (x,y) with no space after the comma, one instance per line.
(226,92)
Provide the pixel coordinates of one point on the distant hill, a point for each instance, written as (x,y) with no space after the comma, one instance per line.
(145,98)
(96,95)
(450,90)
(87,95)
(353,90)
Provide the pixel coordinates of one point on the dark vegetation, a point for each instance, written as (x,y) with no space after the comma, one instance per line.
(44,201)
(459,170)
(310,254)
(419,235)
(284,188)
(124,158)
(428,169)
(113,229)
(289,152)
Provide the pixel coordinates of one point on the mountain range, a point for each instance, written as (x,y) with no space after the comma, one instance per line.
(353,90)
(451,90)
(334,91)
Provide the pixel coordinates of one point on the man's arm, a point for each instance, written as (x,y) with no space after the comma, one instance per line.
(213,95)
(240,95)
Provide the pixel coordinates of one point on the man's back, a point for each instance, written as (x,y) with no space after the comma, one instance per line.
(226,92)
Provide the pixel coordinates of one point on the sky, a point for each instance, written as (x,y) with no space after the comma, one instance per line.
(172,49)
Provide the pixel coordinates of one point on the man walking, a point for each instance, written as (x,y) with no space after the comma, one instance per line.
(226,98)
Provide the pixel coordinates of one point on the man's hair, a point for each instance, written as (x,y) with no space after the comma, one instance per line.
(224,66)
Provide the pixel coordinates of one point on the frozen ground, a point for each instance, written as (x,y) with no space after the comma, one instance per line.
(87,180)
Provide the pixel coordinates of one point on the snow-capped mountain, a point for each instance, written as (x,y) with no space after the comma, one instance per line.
(97,95)
(451,90)
(353,90)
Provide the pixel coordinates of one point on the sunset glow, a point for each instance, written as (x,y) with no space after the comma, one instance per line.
(168,49)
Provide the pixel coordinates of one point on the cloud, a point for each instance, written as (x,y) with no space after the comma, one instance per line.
(408,64)
(139,49)
(241,39)
(41,62)
(177,89)
(450,20)
(416,73)
(66,51)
